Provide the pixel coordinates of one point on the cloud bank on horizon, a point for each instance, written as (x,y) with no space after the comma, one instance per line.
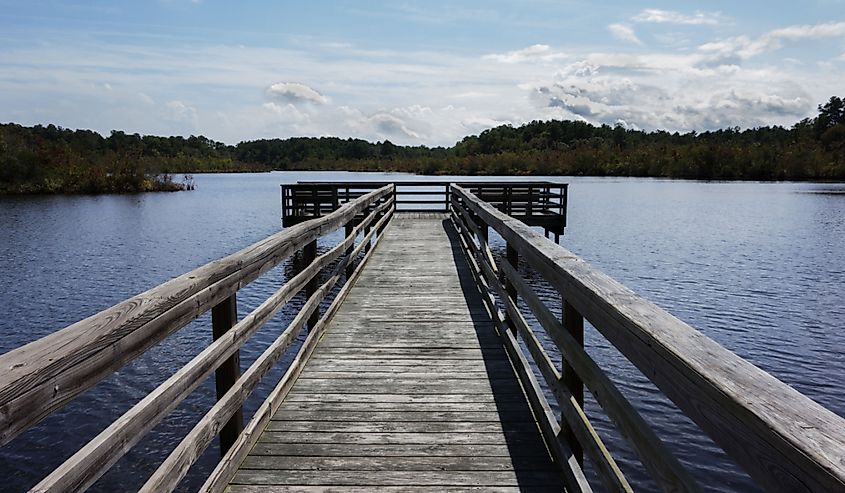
(416,73)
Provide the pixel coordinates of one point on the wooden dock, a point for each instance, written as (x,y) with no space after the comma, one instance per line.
(419,369)
(409,386)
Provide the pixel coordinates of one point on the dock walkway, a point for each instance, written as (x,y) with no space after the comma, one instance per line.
(410,386)
(420,370)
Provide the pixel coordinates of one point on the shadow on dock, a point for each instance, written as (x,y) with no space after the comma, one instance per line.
(531,459)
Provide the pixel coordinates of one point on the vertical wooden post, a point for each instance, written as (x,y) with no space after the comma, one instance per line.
(380,230)
(350,267)
(224,316)
(485,232)
(309,253)
(513,259)
(367,231)
(574,324)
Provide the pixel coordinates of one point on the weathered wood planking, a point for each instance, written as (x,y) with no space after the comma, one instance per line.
(410,387)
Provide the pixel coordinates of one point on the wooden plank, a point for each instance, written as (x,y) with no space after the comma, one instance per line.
(357,363)
(407,387)
(501,449)
(501,407)
(397,478)
(239,488)
(405,399)
(401,426)
(357,465)
(783,439)
(379,372)
(404,416)
(372,438)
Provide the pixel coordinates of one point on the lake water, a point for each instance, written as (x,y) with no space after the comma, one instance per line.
(757,267)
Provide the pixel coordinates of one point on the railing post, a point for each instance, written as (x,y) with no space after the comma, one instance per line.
(484,230)
(383,213)
(513,259)
(367,230)
(224,316)
(349,265)
(309,253)
(573,322)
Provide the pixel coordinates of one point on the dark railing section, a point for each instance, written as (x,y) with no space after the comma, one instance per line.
(536,203)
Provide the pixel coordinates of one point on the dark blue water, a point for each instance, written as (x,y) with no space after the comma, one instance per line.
(757,267)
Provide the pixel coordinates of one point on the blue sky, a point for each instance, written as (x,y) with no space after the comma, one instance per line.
(414,72)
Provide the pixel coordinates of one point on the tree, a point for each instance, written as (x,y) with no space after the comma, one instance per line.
(830,114)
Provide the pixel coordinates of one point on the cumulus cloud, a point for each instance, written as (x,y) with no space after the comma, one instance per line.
(745,47)
(145,98)
(689,99)
(295,92)
(624,32)
(179,112)
(534,53)
(419,97)
(671,17)
(389,124)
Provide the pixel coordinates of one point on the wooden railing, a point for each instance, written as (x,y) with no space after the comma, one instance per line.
(41,377)
(538,203)
(784,440)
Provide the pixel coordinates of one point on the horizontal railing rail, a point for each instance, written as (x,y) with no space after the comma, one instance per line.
(784,440)
(44,375)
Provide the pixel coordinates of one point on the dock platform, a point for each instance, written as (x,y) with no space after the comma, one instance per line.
(409,386)
(427,362)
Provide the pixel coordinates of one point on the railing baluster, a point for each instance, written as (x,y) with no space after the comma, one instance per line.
(513,258)
(309,253)
(348,228)
(574,324)
(224,316)
(366,232)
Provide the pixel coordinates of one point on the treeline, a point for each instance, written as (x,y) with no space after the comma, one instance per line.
(812,149)
(53,159)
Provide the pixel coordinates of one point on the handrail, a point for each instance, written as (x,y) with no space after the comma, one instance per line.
(783,439)
(44,375)
(159,312)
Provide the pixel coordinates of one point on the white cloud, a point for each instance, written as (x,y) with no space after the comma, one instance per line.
(146,99)
(669,92)
(624,32)
(179,112)
(295,92)
(534,53)
(672,17)
(745,47)
(407,96)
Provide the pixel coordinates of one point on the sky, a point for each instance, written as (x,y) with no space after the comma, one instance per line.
(414,72)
